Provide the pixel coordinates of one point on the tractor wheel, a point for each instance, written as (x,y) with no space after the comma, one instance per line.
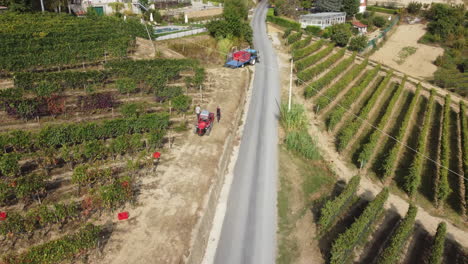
(252,62)
(208,132)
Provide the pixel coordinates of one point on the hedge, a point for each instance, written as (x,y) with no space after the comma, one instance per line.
(344,245)
(437,250)
(65,248)
(327,78)
(309,73)
(341,84)
(334,208)
(301,53)
(370,145)
(306,62)
(284,22)
(350,130)
(464,140)
(413,179)
(294,37)
(287,32)
(390,160)
(442,187)
(399,238)
(301,43)
(382,10)
(350,97)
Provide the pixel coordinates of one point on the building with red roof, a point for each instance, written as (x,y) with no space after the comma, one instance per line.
(362,28)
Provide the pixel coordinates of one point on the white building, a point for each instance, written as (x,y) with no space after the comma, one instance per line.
(102,7)
(362,6)
(322,20)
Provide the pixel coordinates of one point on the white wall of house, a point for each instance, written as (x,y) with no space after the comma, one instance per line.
(362,6)
(129,5)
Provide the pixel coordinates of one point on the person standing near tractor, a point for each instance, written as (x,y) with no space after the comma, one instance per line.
(197,111)
(218,113)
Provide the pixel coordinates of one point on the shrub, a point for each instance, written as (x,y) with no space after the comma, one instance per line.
(414,7)
(301,43)
(382,10)
(284,22)
(437,250)
(313,30)
(358,43)
(379,21)
(294,37)
(340,34)
(287,32)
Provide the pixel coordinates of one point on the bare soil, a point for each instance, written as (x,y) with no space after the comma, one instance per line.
(421,63)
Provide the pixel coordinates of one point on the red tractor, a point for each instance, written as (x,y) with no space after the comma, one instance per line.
(205,123)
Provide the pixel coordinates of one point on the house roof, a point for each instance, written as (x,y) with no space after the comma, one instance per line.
(358,24)
(3,7)
(323,15)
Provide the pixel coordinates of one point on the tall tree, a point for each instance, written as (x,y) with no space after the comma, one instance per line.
(351,7)
(329,5)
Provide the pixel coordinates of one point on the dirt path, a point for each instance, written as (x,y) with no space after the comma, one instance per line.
(420,64)
(171,201)
(367,188)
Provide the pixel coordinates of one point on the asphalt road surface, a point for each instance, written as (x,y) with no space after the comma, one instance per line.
(248,234)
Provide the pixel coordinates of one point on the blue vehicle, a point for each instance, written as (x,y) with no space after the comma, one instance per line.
(241,58)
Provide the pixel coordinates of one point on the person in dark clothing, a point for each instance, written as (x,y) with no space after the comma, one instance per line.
(218,113)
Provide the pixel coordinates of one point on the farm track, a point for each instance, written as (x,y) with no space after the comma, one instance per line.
(324,112)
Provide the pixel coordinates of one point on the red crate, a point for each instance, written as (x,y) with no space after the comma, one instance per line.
(3,216)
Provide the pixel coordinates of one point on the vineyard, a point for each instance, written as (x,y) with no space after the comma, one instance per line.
(408,138)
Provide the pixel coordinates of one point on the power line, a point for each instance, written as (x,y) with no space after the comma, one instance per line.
(348,110)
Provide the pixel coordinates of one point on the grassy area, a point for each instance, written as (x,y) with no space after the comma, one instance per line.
(405,53)
(301,182)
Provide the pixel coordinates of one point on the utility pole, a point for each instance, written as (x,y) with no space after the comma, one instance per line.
(290,86)
(42,6)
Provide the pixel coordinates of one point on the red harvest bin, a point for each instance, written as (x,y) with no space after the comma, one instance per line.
(122,216)
(3,216)
(156,155)
(241,56)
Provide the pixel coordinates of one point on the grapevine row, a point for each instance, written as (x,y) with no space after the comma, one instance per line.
(350,130)
(350,97)
(391,159)
(464,140)
(306,62)
(327,78)
(65,248)
(301,43)
(301,53)
(344,245)
(413,179)
(398,240)
(369,147)
(294,37)
(437,250)
(442,188)
(337,206)
(344,81)
(310,73)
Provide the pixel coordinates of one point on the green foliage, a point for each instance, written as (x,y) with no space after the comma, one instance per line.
(85,175)
(306,62)
(343,246)
(301,53)
(301,43)
(9,166)
(391,159)
(382,10)
(351,7)
(393,251)
(446,20)
(342,83)
(134,110)
(326,79)
(336,207)
(350,129)
(30,185)
(126,85)
(340,34)
(437,250)
(369,147)
(283,22)
(442,187)
(181,103)
(310,73)
(115,194)
(155,138)
(313,30)
(287,32)
(413,178)
(38,40)
(294,37)
(295,119)
(414,7)
(116,6)
(64,79)
(358,43)
(235,22)
(350,97)
(65,248)
(464,140)
(379,21)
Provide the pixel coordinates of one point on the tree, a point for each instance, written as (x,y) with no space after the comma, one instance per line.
(329,5)
(414,7)
(235,22)
(379,21)
(358,43)
(351,7)
(340,34)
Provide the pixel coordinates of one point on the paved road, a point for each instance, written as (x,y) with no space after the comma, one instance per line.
(248,235)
